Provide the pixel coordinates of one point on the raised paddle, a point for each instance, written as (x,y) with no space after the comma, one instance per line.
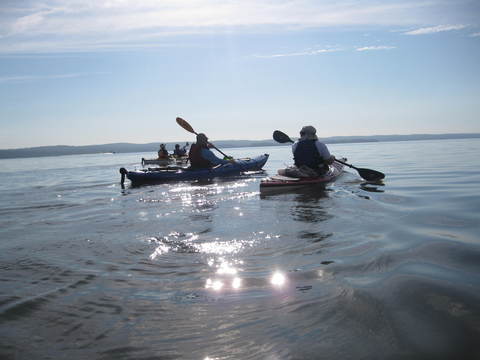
(184,124)
(367,174)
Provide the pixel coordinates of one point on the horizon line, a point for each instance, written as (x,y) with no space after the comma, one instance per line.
(259,140)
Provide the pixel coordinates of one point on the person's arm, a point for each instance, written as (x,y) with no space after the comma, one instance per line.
(324,153)
(210,156)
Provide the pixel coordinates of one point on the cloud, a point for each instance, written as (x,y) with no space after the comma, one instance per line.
(301,53)
(324,51)
(28,78)
(89,25)
(370,48)
(83,16)
(435,29)
(477,34)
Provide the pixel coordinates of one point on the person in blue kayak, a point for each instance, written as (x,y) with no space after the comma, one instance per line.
(162,152)
(310,153)
(201,157)
(178,151)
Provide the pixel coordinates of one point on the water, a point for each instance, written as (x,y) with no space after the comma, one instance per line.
(218,271)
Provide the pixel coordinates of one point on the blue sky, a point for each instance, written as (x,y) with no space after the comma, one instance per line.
(85,72)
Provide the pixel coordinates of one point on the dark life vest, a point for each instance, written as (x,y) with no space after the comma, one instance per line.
(306,153)
(196,159)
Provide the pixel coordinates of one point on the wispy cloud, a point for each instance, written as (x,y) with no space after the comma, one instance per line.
(29,78)
(435,29)
(477,34)
(310,52)
(300,53)
(370,48)
(88,25)
(93,16)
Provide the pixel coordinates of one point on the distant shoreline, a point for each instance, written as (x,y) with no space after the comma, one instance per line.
(59,150)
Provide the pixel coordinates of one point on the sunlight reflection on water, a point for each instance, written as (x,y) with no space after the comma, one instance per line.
(278,279)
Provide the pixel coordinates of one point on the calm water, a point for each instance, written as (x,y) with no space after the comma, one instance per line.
(217,271)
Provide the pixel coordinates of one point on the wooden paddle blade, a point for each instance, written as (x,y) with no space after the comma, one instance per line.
(184,124)
(370,175)
(281,137)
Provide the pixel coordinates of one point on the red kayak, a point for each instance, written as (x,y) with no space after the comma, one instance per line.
(279,182)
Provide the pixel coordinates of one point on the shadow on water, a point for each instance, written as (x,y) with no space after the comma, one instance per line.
(309,206)
(302,194)
(306,204)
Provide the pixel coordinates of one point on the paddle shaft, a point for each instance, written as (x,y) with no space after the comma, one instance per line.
(344,163)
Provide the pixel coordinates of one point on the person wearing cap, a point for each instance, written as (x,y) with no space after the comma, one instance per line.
(162,152)
(309,152)
(201,157)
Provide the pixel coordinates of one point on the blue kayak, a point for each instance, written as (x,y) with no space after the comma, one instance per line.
(157,175)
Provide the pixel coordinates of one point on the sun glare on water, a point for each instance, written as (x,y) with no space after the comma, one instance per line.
(278,279)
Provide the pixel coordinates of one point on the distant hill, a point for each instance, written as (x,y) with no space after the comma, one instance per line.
(413,137)
(153,147)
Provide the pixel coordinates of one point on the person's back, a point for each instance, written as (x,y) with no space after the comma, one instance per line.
(306,154)
(196,159)
(201,157)
(310,152)
(162,152)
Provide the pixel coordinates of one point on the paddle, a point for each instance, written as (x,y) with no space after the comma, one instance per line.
(367,174)
(184,124)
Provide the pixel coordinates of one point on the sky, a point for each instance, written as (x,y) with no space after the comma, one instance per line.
(82,72)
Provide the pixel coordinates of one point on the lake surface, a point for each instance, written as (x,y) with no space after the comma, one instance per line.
(215,270)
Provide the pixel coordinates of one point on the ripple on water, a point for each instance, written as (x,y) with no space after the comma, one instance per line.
(213,269)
